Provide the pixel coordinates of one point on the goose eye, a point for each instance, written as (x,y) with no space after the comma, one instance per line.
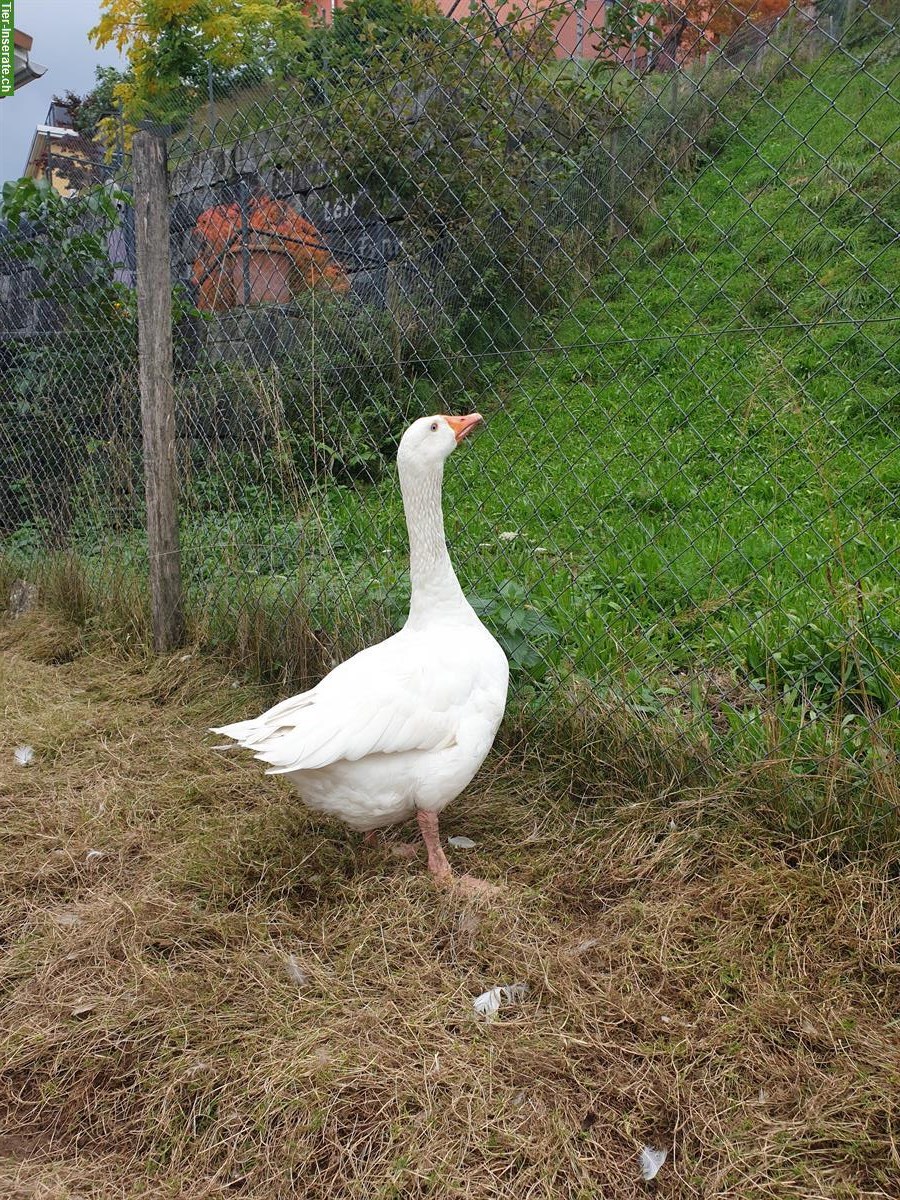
(434,427)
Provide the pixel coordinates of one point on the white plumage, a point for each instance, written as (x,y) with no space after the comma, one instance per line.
(401,728)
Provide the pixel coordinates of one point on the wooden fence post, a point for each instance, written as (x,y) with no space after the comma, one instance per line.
(154,303)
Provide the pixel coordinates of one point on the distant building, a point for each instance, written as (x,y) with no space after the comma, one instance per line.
(62,155)
(575,32)
(581,29)
(26,68)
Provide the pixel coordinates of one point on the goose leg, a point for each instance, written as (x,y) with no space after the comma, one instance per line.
(437,859)
(370,838)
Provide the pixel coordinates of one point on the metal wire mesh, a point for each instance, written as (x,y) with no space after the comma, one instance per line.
(657,249)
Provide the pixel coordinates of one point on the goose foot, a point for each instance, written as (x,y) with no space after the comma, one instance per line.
(437,859)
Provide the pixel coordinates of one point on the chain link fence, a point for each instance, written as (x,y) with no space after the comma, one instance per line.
(656,247)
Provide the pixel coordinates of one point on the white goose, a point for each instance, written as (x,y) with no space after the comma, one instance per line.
(402,727)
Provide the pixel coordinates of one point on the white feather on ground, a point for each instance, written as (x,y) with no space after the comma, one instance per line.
(651,1160)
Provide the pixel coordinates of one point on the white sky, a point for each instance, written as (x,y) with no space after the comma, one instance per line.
(59,29)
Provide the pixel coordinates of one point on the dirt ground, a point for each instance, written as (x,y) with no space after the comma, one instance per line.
(208,993)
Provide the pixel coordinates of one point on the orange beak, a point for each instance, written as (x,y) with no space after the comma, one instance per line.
(463,426)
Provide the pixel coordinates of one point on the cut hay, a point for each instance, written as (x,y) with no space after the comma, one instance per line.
(236,1000)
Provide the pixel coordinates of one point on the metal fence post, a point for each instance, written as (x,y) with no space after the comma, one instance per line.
(245,241)
(154,299)
(212,98)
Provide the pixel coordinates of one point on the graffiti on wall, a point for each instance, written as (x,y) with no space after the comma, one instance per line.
(261,251)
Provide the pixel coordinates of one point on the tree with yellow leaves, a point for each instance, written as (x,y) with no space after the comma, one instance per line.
(174,45)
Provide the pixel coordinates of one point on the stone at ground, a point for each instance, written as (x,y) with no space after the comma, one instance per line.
(23,597)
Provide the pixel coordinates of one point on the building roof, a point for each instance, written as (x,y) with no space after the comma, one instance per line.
(26,68)
(58,133)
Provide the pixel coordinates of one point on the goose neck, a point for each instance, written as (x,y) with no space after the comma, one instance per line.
(433,583)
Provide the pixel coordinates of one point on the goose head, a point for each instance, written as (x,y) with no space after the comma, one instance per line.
(429,442)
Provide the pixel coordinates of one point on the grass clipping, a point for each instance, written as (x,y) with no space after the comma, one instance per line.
(207,993)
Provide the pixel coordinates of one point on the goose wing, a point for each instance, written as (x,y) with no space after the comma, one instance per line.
(407,693)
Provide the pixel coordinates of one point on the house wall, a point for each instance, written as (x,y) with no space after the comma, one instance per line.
(362,240)
(69,165)
(60,154)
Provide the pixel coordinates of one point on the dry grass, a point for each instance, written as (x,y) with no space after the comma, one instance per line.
(694,981)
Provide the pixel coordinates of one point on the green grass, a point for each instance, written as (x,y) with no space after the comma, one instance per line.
(701,468)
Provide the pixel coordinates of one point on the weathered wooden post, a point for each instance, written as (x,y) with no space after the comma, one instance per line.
(154,302)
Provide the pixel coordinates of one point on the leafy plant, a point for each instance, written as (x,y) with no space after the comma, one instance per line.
(91,111)
(65,240)
(67,399)
(713,24)
(358,32)
(173,44)
(449,131)
(522,629)
(631,26)
(826,665)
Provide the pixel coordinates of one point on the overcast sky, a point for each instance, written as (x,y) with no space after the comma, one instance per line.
(59,29)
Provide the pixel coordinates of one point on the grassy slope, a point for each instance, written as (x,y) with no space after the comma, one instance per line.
(705,486)
(694,983)
(697,472)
